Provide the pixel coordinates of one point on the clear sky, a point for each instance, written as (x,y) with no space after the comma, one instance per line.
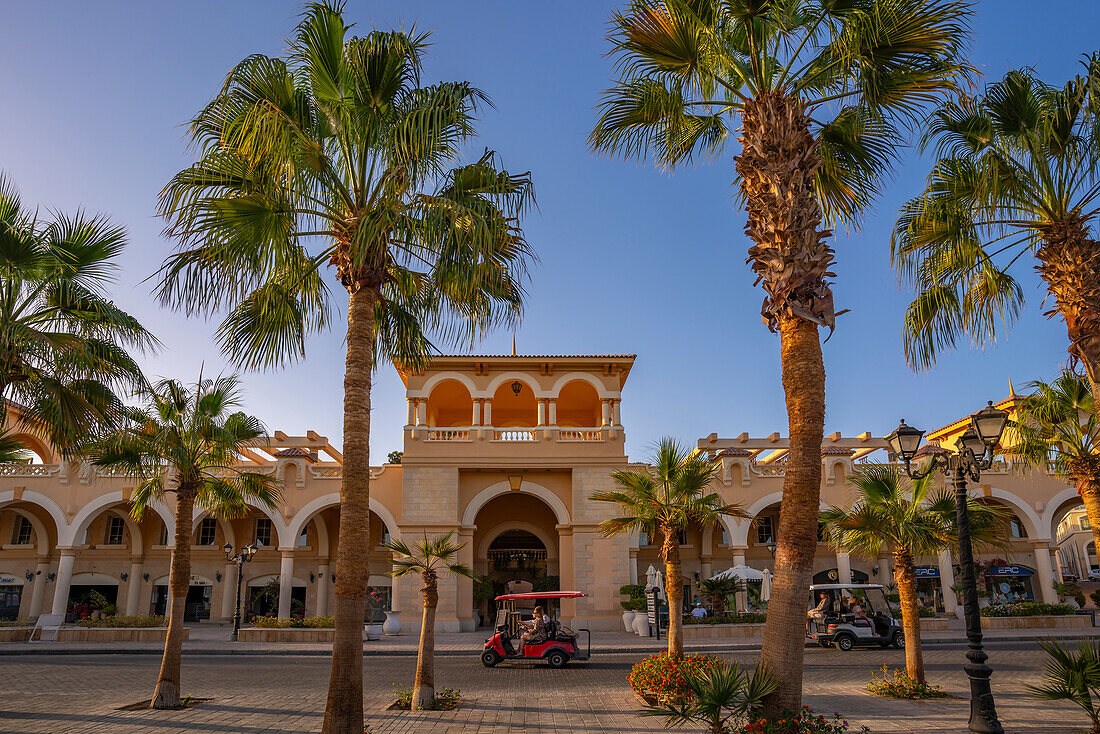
(631,259)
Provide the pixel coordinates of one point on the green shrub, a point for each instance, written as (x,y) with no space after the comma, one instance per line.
(665,677)
(926,612)
(1026,609)
(483,589)
(1072,590)
(893,598)
(1072,675)
(123,620)
(16,622)
(294,623)
(805,722)
(546,583)
(445,699)
(902,685)
(751,618)
(632,590)
(1095,596)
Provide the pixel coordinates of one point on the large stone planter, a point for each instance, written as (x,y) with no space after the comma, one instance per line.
(628,621)
(286,635)
(372,631)
(91,634)
(641,624)
(933,624)
(1043,621)
(723,631)
(392,625)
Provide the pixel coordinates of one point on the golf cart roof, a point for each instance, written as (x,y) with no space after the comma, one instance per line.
(833,587)
(541,595)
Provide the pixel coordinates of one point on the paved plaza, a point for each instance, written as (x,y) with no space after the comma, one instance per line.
(286,693)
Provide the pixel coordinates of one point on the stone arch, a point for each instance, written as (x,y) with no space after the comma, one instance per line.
(523,377)
(1059,504)
(493,533)
(36,445)
(1028,516)
(562,381)
(60,523)
(41,536)
(439,377)
(314,507)
(469,517)
(91,510)
(450,404)
(738,529)
(226,527)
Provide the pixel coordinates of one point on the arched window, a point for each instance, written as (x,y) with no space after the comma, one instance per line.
(450,405)
(578,405)
(514,406)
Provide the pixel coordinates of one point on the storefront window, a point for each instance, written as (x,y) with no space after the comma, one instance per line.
(1010,583)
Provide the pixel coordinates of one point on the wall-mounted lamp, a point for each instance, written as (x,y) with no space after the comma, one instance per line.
(124,575)
(696,577)
(311,577)
(874,570)
(517,386)
(218,575)
(29,575)
(145,576)
(51,576)
(334,578)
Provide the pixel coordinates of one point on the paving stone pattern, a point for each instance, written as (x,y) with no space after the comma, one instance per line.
(252,694)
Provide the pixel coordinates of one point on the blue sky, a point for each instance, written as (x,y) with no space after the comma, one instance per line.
(631,259)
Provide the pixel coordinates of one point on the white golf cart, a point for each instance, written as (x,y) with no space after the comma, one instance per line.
(833,621)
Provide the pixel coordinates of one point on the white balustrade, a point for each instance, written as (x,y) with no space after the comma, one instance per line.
(580,434)
(28,470)
(327,472)
(447,434)
(516,435)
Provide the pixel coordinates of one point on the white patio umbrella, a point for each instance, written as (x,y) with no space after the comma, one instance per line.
(744,573)
(766,585)
(650,575)
(659,581)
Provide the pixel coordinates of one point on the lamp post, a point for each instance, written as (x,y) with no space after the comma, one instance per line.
(974,452)
(240,558)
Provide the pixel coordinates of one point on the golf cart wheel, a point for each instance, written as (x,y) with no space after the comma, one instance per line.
(899,640)
(557,659)
(490,658)
(844,643)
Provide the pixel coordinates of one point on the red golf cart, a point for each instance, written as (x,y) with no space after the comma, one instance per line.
(561,642)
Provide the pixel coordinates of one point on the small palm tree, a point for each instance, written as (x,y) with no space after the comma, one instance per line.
(726,692)
(184,440)
(907,519)
(63,343)
(1073,676)
(1016,176)
(661,503)
(718,590)
(337,155)
(429,558)
(1056,430)
(815,93)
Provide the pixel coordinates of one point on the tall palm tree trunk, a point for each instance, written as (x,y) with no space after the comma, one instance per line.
(344,710)
(791,258)
(785,631)
(167,693)
(424,683)
(905,575)
(1089,489)
(674,590)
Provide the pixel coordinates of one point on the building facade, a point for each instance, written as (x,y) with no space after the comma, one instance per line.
(503,451)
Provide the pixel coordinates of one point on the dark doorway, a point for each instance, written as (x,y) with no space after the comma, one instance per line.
(10,597)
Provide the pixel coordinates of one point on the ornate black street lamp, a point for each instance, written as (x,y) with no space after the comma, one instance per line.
(244,556)
(974,452)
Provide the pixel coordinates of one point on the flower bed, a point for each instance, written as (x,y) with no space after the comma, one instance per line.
(1027,609)
(445,699)
(902,685)
(660,678)
(752,618)
(805,722)
(139,621)
(294,623)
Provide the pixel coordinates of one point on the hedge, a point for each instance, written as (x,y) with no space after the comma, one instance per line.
(123,620)
(292,623)
(1027,609)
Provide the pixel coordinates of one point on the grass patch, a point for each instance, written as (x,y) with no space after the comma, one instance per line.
(901,685)
(445,699)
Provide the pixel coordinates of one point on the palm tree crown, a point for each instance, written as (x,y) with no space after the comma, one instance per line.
(834,77)
(185,440)
(1056,427)
(339,144)
(428,556)
(63,343)
(1016,174)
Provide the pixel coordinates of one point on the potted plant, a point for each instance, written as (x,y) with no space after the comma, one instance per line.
(633,592)
(372,627)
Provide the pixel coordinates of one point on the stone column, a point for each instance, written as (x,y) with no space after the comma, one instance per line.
(741,599)
(64,579)
(286,582)
(1057,564)
(422,413)
(706,571)
(229,591)
(133,587)
(38,592)
(1045,573)
(541,413)
(566,572)
(476,420)
(616,419)
(843,567)
(605,413)
(411,419)
(633,569)
(553,411)
(947,580)
(322,588)
(487,417)
(885,570)
(465,595)
(1085,565)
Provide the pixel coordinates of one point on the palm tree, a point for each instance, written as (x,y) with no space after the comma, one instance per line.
(725,693)
(185,440)
(662,503)
(907,519)
(428,558)
(719,590)
(337,155)
(817,89)
(1056,430)
(1016,175)
(1073,675)
(63,343)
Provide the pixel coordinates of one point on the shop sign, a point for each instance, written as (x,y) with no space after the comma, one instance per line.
(9,580)
(1010,571)
(927,572)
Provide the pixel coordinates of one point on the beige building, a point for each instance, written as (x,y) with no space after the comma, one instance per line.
(502,450)
(1076,547)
